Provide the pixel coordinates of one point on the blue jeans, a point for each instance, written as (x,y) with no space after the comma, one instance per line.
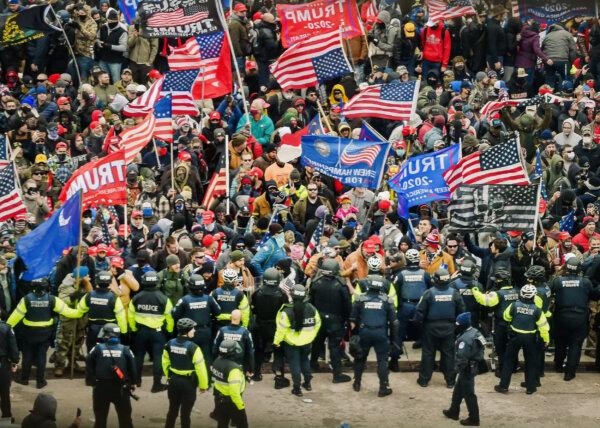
(427,66)
(558,70)
(113,68)
(85,67)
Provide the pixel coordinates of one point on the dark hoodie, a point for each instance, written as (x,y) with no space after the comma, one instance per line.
(43,414)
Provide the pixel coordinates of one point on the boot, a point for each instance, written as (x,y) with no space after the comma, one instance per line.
(257,377)
(158,387)
(297,391)
(356,385)
(281,382)
(501,390)
(450,414)
(341,378)
(384,391)
(524,385)
(569,376)
(40,384)
(306,385)
(22,381)
(59,371)
(470,422)
(394,366)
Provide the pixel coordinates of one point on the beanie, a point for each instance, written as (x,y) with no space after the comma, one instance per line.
(464,319)
(171,260)
(236,255)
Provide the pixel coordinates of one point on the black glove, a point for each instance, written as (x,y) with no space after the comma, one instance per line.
(370,38)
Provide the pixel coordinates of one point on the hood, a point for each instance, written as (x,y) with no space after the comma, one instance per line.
(554,160)
(528,33)
(395,23)
(45,405)
(289,114)
(385,17)
(340,88)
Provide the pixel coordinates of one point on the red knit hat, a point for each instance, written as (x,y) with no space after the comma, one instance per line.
(433,240)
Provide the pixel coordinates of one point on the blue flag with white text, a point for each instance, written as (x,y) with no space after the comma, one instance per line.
(41,249)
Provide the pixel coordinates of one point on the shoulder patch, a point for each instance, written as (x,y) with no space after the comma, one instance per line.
(481,340)
(461,345)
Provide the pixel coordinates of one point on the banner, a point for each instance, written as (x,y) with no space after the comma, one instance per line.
(103,182)
(129,9)
(356,163)
(420,179)
(556,10)
(301,21)
(178,18)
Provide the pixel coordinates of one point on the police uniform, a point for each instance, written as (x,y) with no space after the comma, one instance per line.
(437,310)
(9,355)
(465,286)
(362,286)
(572,294)
(241,336)
(102,306)
(149,313)
(183,364)
(111,370)
(230,299)
(373,314)
(203,309)
(542,301)
(410,285)
(525,321)
(229,385)
(37,312)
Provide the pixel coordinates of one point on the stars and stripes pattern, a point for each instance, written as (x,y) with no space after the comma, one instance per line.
(315,240)
(537,174)
(163,129)
(493,208)
(499,164)
(198,52)
(354,154)
(111,141)
(4,155)
(142,105)
(179,84)
(393,101)
(567,222)
(267,235)
(11,203)
(217,186)
(134,139)
(182,16)
(440,10)
(493,106)
(311,61)
(372,11)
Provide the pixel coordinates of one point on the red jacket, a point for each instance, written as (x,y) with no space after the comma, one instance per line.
(583,241)
(436,48)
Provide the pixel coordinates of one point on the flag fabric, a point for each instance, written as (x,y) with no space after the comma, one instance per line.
(368,133)
(394,101)
(134,139)
(111,141)
(537,174)
(178,18)
(354,154)
(217,186)
(105,232)
(441,10)
(291,144)
(190,54)
(490,208)
(312,61)
(494,106)
(142,105)
(267,235)
(567,222)
(179,84)
(183,16)
(500,164)
(129,9)
(41,248)
(11,203)
(533,101)
(163,128)
(29,24)
(372,11)
(315,241)
(4,155)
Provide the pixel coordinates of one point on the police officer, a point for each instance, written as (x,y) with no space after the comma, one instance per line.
(437,310)
(111,370)
(297,326)
(362,286)
(102,306)
(536,275)
(266,302)
(229,298)
(330,296)
(234,331)
(149,313)
(37,310)
(229,385)
(468,349)
(464,283)
(373,314)
(525,319)
(183,364)
(572,294)
(9,357)
(504,295)
(200,307)
(410,284)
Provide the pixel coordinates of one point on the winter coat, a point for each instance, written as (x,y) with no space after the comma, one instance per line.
(385,34)
(356,48)
(142,50)
(85,36)
(239,36)
(43,414)
(299,211)
(268,46)
(261,129)
(558,44)
(496,43)
(437,44)
(529,49)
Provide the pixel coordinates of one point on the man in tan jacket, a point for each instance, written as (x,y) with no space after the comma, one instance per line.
(123,282)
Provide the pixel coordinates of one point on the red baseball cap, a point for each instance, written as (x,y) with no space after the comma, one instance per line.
(240,7)
(102,248)
(61,145)
(63,100)
(117,262)
(369,246)
(208,217)
(137,214)
(121,231)
(154,74)
(208,240)
(215,115)
(184,156)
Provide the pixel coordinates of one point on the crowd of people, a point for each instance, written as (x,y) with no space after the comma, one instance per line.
(225,288)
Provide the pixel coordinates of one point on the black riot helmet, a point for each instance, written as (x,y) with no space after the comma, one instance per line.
(196,283)
(330,267)
(272,277)
(536,274)
(40,285)
(109,331)
(150,280)
(103,279)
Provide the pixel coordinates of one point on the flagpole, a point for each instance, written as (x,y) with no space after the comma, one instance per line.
(536,219)
(126,222)
(364,34)
(227,173)
(325,118)
(156,152)
(172,168)
(12,156)
(77,278)
(68,45)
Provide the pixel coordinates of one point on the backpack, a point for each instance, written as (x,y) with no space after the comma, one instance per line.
(253,38)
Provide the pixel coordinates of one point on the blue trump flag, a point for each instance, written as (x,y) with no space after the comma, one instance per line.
(356,163)
(420,179)
(43,246)
(129,9)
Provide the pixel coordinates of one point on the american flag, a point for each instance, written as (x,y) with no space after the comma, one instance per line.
(315,240)
(567,222)
(354,154)
(494,106)
(198,52)
(393,101)
(372,11)
(111,141)
(105,232)
(11,203)
(183,16)
(179,84)
(311,61)
(142,105)
(537,174)
(4,156)
(499,164)
(134,139)
(163,129)
(440,10)
(217,185)
(493,208)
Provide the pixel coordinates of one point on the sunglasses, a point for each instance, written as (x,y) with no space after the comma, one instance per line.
(312,189)
(452,246)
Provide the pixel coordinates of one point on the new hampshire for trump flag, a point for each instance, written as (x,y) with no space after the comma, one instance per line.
(356,163)
(420,179)
(43,246)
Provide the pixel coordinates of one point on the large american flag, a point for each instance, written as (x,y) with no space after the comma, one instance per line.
(217,185)
(315,240)
(354,154)
(183,16)
(179,84)
(142,105)
(393,101)
(134,139)
(198,52)
(4,155)
(440,10)
(311,61)
(493,208)
(163,129)
(494,106)
(11,203)
(501,164)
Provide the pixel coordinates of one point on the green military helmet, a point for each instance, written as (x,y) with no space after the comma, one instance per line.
(330,267)
(272,277)
(150,280)
(103,279)
(184,325)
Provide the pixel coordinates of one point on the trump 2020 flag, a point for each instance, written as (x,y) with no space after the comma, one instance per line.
(42,247)
(356,163)
(420,179)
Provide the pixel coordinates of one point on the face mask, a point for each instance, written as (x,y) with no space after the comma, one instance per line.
(571,155)
(62,157)
(113,24)
(147,212)
(246,189)
(11,111)
(287,95)
(587,141)
(87,220)
(82,17)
